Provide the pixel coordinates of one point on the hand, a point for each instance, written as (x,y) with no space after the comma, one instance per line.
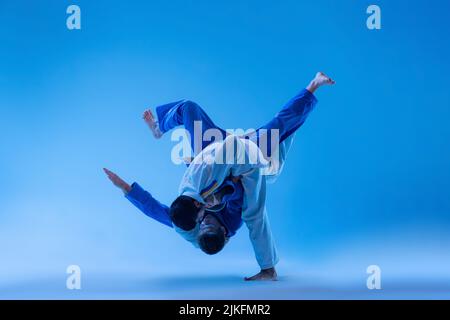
(264,275)
(212,201)
(117,181)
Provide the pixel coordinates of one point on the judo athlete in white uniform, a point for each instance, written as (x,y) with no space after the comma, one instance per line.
(224,186)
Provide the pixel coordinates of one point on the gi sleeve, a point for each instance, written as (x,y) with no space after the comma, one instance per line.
(190,236)
(151,207)
(255,217)
(205,174)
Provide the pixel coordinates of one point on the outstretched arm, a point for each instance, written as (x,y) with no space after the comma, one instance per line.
(142,199)
(205,174)
(255,217)
(117,181)
(246,163)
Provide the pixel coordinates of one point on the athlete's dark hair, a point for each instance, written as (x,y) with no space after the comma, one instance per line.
(212,242)
(183,213)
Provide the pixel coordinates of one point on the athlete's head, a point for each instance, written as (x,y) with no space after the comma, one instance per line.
(184,212)
(212,235)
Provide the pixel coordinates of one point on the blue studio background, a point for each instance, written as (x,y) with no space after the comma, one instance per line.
(367,181)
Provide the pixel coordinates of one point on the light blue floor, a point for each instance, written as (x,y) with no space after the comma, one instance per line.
(218,287)
(141,284)
(109,272)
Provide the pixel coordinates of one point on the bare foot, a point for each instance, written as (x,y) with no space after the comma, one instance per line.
(152,123)
(320,80)
(264,275)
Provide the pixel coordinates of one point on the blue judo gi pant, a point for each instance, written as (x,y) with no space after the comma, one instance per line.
(287,120)
(185,113)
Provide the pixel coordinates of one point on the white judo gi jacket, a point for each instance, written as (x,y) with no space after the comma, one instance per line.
(236,156)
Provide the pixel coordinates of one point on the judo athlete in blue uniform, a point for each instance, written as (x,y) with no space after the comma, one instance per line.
(217,197)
